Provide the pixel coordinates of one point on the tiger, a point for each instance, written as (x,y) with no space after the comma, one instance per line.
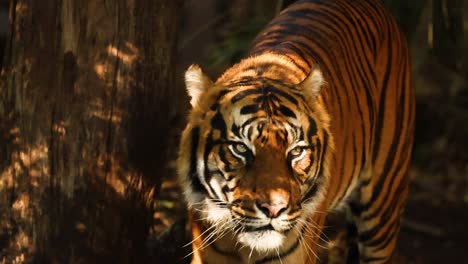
(317,118)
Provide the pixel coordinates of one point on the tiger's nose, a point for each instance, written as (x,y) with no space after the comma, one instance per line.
(272,210)
(274,207)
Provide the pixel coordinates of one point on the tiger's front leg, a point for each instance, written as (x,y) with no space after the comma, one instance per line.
(378,221)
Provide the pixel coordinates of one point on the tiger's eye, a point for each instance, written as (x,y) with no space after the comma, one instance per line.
(240,148)
(295,151)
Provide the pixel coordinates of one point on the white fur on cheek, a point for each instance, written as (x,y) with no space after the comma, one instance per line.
(216,214)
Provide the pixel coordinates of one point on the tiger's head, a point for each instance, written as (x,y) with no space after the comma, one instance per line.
(253,157)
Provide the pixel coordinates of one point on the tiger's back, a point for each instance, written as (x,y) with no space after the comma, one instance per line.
(362,117)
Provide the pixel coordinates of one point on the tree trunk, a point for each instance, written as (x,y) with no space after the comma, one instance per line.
(86,100)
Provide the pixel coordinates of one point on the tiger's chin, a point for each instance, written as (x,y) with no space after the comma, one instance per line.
(262,241)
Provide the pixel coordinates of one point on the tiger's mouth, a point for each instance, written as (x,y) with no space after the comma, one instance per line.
(264,238)
(268,227)
(261,234)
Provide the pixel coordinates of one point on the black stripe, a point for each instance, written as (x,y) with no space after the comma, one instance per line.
(391,235)
(301,133)
(370,38)
(286,111)
(194,177)
(217,122)
(312,130)
(248,122)
(342,172)
(352,160)
(311,192)
(221,94)
(222,156)
(283,94)
(264,90)
(235,130)
(398,169)
(309,166)
(381,107)
(384,240)
(321,152)
(245,81)
(207,175)
(318,176)
(242,94)
(249,109)
(226,189)
(281,83)
(385,217)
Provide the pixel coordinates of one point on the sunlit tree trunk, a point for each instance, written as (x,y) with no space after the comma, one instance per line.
(86,101)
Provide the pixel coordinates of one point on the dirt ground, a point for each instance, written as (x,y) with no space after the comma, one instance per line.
(434,229)
(441,235)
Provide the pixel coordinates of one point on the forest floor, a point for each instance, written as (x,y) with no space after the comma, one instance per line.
(434,228)
(435,225)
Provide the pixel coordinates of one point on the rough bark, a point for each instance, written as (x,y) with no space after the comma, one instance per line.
(85,109)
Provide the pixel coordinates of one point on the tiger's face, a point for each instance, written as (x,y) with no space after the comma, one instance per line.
(251,158)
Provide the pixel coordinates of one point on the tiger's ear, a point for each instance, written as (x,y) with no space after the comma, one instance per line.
(313,83)
(196,83)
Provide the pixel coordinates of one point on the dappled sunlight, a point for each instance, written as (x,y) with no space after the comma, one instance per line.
(59,128)
(21,204)
(120,179)
(115,115)
(107,75)
(21,7)
(101,70)
(80,227)
(34,155)
(21,242)
(34,162)
(6,178)
(115,182)
(72,183)
(112,173)
(14,134)
(116,74)
(168,205)
(128,56)
(21,179)
(31,162)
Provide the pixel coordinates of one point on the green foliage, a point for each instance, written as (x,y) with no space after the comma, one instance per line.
(237,41)
(407,13)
